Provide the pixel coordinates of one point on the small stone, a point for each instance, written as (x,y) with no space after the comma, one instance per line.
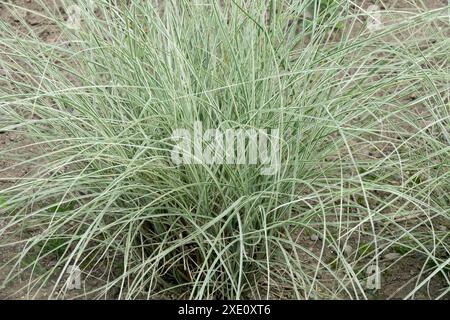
(348,250)
(33,19)
(19,14)
(392,256)
(314,237)
(442,228)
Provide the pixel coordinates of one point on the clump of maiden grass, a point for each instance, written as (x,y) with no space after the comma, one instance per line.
(364,121)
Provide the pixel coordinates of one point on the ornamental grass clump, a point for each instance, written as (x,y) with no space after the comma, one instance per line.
(363,167)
